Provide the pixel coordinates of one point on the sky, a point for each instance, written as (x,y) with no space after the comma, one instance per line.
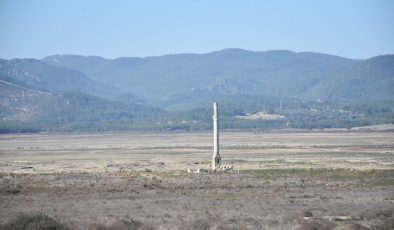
(356,29)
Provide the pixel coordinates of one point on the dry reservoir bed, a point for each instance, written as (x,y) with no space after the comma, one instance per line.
(174,151)
(119,181)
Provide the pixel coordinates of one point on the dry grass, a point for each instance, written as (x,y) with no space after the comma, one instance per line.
(249,199)
(135,181)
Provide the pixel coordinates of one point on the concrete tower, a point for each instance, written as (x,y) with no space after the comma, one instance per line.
(216,160)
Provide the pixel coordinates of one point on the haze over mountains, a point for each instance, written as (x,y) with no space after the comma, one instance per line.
(33,89)
(235,71)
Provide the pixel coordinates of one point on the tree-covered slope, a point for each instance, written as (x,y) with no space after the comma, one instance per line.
(231,71)
(21,106)
(39,75)
(367,79)
(301,90)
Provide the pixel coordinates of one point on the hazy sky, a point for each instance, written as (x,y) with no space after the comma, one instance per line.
(349,28)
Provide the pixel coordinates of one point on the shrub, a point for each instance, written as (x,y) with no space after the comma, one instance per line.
(33,222)
(317,225)
(122,225)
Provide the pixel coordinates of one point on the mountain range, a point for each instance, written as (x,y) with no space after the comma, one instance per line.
(40,89)
(279,73)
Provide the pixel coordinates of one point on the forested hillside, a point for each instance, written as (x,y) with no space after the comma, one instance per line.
(258,90)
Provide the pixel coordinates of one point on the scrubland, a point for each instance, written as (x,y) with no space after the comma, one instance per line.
(310,180)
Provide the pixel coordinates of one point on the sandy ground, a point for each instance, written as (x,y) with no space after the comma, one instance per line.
(173,151)
(336,180)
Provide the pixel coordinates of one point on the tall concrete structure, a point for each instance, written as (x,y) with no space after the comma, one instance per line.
(216,160)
